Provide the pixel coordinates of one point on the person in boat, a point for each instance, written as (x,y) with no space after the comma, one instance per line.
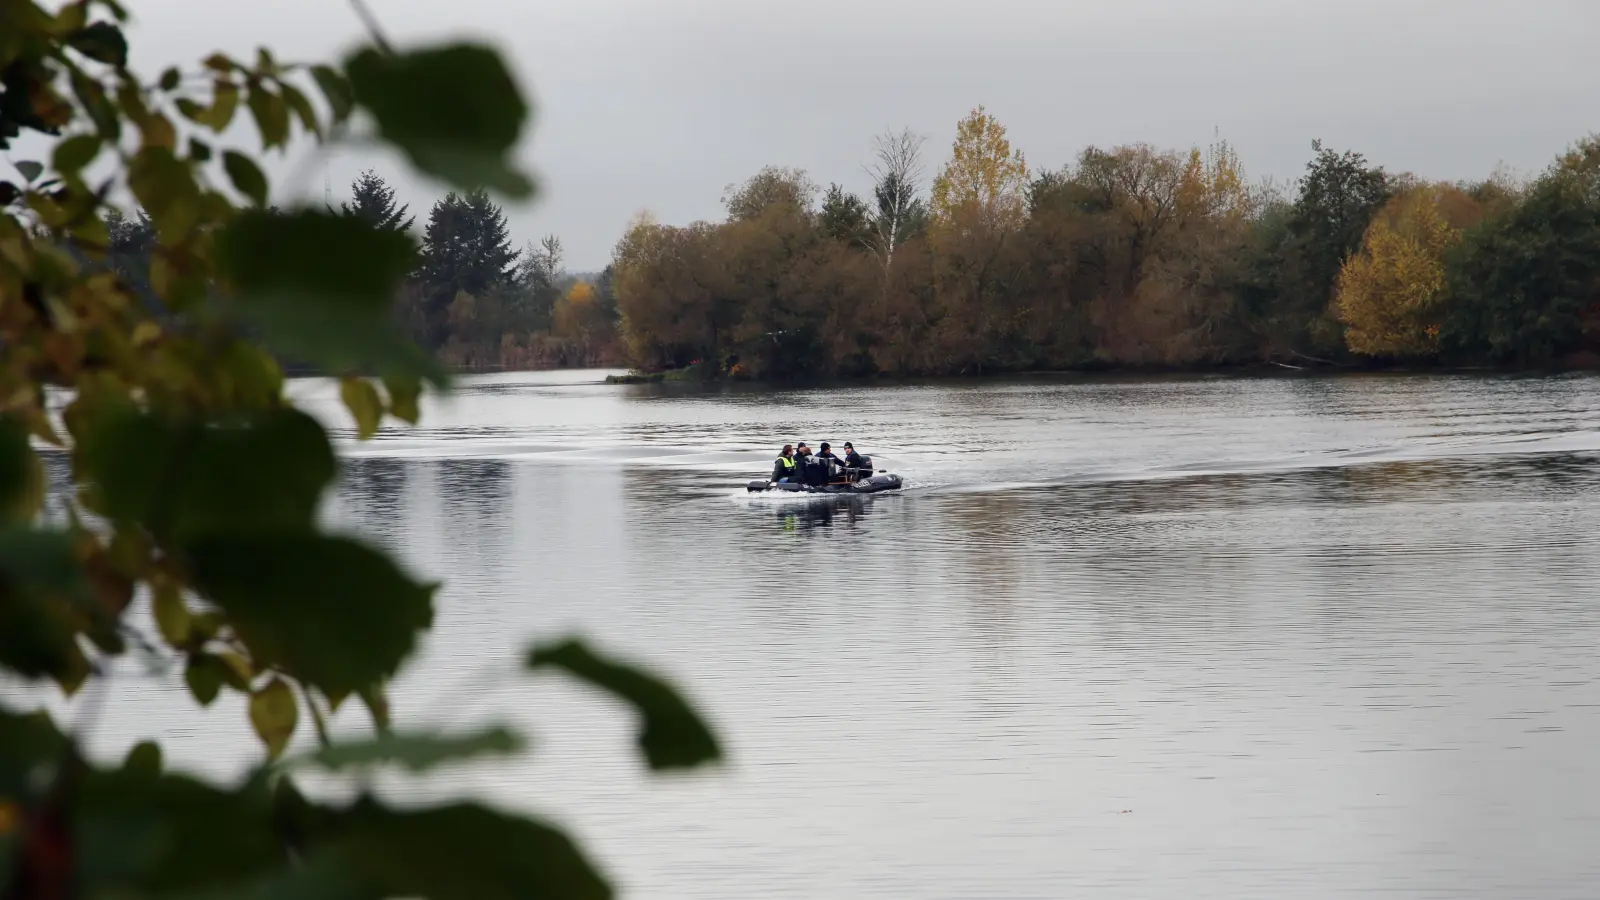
(785,469)
(826,457)
(813,469)
(854,460)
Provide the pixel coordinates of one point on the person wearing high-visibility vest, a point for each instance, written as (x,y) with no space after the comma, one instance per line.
(785,470)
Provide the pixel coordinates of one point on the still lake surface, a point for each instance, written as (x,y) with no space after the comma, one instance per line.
(1177,638)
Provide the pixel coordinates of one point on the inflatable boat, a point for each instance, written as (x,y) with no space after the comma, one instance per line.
(822,476)
(871,484)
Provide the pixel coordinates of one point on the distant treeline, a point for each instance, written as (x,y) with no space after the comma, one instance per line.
(1129,257)
(473,299)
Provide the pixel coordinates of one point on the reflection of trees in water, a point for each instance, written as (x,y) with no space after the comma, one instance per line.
(474,485)
(475,502)
(371,495)
(991,551)
(1502,477)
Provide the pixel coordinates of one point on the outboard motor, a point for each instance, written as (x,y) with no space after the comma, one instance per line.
(863,471)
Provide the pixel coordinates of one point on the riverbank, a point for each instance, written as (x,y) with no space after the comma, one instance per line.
(1260,369)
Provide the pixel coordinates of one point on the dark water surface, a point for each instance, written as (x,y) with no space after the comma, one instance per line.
(1226,638)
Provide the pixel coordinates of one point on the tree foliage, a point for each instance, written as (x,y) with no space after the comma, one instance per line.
(983,185)
(373,200)
(845,218)
(1392,293)
(1526,282)
(195,481)
(1130,255)
(771,188)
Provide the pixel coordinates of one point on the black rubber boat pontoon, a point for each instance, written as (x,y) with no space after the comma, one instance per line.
(821,476)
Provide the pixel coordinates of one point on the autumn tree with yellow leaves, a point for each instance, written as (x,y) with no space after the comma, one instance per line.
(984,185)
(1392,294)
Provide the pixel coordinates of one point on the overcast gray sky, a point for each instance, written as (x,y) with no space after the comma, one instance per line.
(658,105)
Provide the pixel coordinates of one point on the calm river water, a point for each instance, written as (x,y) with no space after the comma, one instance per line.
(1233,638)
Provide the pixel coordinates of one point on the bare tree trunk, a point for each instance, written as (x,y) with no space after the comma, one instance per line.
(896,172)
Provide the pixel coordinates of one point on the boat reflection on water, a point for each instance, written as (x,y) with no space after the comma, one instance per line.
(822,513)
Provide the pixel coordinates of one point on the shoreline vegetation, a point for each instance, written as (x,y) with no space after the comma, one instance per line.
(1129,259)
(1245,370)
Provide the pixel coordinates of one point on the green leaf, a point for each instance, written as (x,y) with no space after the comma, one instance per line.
(69,19)
(27,742)
(22,478)
(455,110)
(271,115)
(44,597)
(168,836)
(224,101)
(117,10)
(336,88)
(273,714)
(205,675)
(673,736)
(107,121)
(463,852)
(72,155)
(101,42)
(166,188)
(171,614)
(337,615)
(361,398)
(239,672)
(404,397)
(246,176)
(125,456)
(30,170)
(144,759)
(301,106)
(414,752)
(199,150)
(171,78)
(190,110)
(256,473)
(319,288)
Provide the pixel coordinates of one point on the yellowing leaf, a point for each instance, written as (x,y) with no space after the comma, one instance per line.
(157,131)
(224,100)
(146,333)
(171,615)
(361,398)
(240,672)
(274,714)
(404,394)
(271,114)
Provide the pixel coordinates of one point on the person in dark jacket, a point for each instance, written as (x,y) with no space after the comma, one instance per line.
(854,460)
(826,457)
(784,468)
